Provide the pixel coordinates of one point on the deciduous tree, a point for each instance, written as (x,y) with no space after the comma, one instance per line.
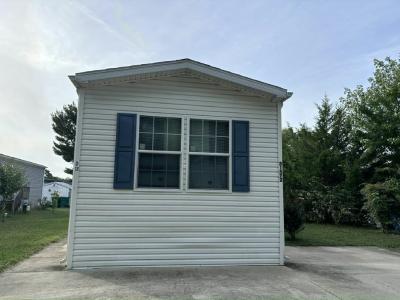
(12,179)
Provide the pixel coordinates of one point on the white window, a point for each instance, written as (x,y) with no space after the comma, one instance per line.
(209,154)
(159,152)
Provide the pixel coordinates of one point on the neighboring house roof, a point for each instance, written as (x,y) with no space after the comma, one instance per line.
(6,157)
(66,185)
(176,67)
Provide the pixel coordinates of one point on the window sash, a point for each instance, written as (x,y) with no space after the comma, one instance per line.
(214,172)
(223,154)
(166,152)
(166,134)
(206,135)
(164,166)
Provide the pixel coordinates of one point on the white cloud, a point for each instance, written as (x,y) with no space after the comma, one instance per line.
(311,48)
(55,39)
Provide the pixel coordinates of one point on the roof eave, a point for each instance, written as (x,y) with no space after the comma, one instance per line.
(22,161)
(74,81)
(288,95)
(83,78)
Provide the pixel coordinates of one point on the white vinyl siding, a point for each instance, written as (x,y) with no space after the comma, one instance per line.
(179,227)
(34,176)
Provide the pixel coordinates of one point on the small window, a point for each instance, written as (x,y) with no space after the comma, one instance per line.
(25,192)
(209,154)
(159,152)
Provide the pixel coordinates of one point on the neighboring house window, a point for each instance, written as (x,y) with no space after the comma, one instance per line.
(159,152)
(25,192)
(209,154)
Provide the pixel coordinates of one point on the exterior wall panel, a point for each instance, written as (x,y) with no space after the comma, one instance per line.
(169,228)
(34,175)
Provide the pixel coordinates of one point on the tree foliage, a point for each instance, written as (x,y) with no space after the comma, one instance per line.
(375,117)
(383,202)
(12,180)
(64,125)
(294,216)
(345,166)
(49,177)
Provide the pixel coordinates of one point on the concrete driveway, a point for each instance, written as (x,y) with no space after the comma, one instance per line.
(311,273)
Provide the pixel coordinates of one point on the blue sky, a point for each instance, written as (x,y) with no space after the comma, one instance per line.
(308,47)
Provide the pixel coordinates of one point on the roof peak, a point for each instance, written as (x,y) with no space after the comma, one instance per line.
(165,68)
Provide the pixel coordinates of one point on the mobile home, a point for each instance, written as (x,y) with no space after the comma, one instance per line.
(31,193)
(177,163)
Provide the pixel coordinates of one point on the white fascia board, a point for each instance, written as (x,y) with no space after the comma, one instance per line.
(184,64)
(129,71)
(238,79)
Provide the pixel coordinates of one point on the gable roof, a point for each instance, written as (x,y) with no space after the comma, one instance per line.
(18,160)
(175,67)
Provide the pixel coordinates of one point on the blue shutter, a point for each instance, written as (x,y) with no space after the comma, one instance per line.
(240,157)
(125,146)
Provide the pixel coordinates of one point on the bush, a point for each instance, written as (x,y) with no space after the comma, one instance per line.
(383,203)
(294,216)
(333,205)
(44,203)
(55,196)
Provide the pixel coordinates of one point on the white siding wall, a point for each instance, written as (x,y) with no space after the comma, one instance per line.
(34,176)
(62,189)
(143,228)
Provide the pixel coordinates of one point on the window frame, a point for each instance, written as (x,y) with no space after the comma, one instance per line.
(229,155)
(27,190)
(138,151)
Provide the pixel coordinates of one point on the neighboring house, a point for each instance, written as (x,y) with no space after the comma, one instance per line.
(176,163)
(34,175)
(63,189)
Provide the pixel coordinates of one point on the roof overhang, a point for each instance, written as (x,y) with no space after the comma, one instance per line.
(177,67)
(21,161)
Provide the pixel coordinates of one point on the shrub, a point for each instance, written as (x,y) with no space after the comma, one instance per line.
(333,205)
(383,203)
(55,196)
(294,216)
(44,203)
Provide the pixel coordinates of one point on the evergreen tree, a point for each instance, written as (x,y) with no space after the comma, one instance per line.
(49,177)
(64,125)
(349,162)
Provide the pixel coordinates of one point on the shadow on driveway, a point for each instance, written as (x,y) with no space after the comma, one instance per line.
(310,273)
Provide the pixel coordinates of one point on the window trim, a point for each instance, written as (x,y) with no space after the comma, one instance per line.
(229,155)
(28,191)
(184,156)
(137,151)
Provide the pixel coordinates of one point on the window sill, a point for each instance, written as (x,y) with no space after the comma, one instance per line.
(157,190)
(195,191)
(189,191)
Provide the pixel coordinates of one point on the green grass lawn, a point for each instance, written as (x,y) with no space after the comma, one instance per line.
(337,235)
(24,234)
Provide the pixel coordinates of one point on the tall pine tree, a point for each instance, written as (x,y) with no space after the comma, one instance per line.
(64,125)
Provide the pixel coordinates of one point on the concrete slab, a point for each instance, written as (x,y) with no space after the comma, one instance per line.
(310,273)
